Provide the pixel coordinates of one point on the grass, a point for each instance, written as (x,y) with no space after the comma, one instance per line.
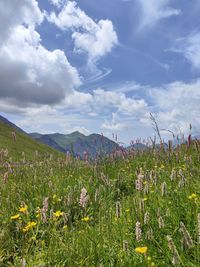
(53,229)
(23,144)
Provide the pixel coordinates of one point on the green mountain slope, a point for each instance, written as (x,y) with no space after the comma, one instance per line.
(78,143)
(23,143)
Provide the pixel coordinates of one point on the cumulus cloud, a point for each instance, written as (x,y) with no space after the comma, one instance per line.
(29,72)
(120,102)
(94,38)
(114,125)
(190,47)
(16,12)
(104,103)
(44,118)
(155,10)
(178,106)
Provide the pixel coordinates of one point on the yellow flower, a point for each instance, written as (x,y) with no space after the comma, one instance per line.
(29,226)
(58,213)
(127,210)
(65,227)
(193,196)
(15,217)
(145,198)
(23,209)
(85,219)
(141,250)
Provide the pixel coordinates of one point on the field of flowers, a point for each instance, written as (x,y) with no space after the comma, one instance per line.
(140,208)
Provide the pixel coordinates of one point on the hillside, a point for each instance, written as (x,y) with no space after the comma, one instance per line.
(77,143)
(23,143)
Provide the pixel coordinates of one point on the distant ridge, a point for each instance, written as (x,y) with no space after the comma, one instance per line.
(78,143)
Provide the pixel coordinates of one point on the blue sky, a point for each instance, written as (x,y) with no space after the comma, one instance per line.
(100,66)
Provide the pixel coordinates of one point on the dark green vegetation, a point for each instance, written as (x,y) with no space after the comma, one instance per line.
(78,143)
(149,200)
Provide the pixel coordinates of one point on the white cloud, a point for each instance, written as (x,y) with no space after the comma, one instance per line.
(29,72)
(43,120)
(178,106)
(190,48)
(16,12)
(155,10)
(58,3)
(98,43)
(120,102)
(114,125)
(94,38)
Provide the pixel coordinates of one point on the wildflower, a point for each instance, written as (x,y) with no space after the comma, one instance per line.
(149,234)
(96,195)
(29,226)
(85,219)
(15,217)
(65,227)
(125,245)
(193,197)
(186,235)
(23,209)
(139,182)
(141,250)
(23,262)
(5,177)
(45,209)
(138,231)
(146,217)
(172,247)
(173,175)
(161,222)
(83,198)
(58,213)
(118,209)
(198,225)
(163,189)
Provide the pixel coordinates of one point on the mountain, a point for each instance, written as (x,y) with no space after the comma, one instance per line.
(17,141)
(137,146)
(78,143)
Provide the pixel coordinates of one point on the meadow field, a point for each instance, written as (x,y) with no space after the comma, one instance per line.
(136,208)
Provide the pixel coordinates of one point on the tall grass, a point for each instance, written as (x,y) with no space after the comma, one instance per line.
(136,209)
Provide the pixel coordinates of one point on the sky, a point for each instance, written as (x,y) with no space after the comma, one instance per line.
(101,66)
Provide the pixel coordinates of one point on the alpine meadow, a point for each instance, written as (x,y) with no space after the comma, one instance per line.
(131,208)
(99,133)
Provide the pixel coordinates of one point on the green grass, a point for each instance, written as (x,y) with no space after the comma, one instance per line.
(94,235)
(23,144)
